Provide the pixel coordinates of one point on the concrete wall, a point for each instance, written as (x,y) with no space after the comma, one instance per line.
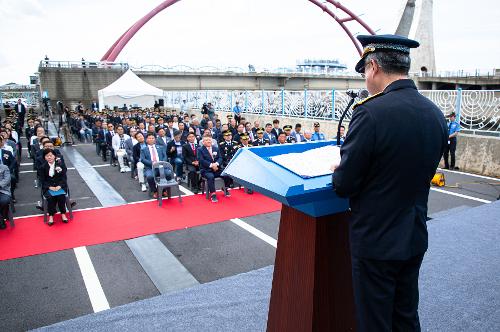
(71,85)
(475,154)
(478,154)
(248,81)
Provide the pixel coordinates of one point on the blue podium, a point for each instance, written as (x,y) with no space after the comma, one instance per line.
(312,284)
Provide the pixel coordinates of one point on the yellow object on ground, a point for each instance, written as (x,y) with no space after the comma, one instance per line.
(438,179)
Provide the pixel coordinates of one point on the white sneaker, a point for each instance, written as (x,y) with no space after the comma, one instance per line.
(127,169)
(122,170)
(143,187)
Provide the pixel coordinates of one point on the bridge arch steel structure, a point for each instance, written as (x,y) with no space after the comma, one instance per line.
(120,43)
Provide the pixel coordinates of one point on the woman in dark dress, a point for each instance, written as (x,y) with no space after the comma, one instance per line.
(54,184)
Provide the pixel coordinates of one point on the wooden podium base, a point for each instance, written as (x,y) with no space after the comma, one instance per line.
(312,283)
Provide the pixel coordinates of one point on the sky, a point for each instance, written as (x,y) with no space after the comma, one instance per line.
(223,33)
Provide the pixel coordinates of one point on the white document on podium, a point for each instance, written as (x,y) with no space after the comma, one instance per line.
(310,163)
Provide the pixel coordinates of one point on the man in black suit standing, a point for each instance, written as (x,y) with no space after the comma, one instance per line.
(20,110)
(210,167)
(395,141)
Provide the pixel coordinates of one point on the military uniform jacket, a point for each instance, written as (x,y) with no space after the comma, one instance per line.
(290,139)
(260,142)
(391,152)
(227,150)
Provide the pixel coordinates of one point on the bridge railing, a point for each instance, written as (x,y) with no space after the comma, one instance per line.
(478,111)
(83,64)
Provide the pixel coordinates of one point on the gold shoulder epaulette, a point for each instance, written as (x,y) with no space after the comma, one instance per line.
(361,102)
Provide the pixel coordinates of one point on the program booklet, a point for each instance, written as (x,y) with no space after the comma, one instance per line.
(310,163)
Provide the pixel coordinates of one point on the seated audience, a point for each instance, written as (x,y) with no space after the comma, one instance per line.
(210,162)
(150,154)
(136,154)
(54,185)
(174,154)
(4,194)
(189,156)
(118,143)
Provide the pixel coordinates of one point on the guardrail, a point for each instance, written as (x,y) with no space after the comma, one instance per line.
(478,111)
(83,64)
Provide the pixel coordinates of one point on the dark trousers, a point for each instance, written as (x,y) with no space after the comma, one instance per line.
(210,176)
(103,149)
(237,118)
(52,201)
(450,149)
(386,294)
(4,205)
(193,177)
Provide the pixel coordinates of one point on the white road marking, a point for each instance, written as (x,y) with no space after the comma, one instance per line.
(186,191)
(461,195)
(92,283)
(469,174)
(261,235)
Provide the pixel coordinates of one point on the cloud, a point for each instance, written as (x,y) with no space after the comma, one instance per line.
(21,9)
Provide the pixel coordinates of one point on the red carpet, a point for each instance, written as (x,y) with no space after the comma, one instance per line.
(31,236)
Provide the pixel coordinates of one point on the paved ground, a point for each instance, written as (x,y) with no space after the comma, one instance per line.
(44,289)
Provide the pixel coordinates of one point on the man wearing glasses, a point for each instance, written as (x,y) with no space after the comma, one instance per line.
(395,141)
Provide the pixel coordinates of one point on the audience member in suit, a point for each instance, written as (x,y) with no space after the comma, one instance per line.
(136,154)
(276,128)
(184,131)
(36,140)
(297,135)
(8,159)
(129,146)
(210,162)
(189,154)
(118,143)
(169,131)
(161,137)
(4,194)
(20,112)
(53,180)
(101,139)
(39,159)
(241,131)
(150,154)
(268,133)
(29,132)
(174,153)
(83,129)
(109,142)
(9,144)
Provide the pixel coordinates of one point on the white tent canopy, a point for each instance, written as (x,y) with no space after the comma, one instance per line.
(129,89)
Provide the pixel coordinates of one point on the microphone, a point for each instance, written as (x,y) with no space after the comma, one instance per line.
(361,94)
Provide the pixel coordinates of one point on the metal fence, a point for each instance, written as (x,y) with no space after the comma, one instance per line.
(477,110)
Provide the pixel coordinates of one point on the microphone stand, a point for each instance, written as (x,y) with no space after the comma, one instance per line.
(342,118)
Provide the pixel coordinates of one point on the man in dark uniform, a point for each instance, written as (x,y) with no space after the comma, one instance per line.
(395,141)
(288,132)
(453,129)
(260,138)
(227,148)
(244,139)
